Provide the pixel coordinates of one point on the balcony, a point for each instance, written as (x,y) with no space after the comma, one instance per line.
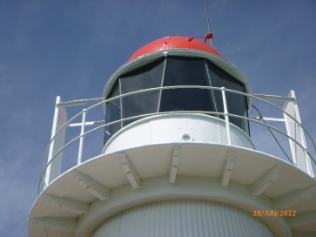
(271,129)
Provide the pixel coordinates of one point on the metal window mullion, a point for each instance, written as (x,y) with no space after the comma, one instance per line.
(162,81)
(226,116)
(212,92)
(115,106)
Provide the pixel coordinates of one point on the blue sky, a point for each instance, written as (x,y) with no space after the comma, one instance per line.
(71,48)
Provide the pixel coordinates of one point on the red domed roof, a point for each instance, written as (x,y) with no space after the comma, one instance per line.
(173,42)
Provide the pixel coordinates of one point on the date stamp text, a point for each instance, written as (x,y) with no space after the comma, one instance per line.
(274,213)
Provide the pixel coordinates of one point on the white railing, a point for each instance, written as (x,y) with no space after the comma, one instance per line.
(55,148)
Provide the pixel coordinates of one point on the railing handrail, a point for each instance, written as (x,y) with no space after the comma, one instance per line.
(163,113)
(179,87)
(44,168)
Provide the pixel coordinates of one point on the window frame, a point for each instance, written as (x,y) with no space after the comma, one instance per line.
(245,125)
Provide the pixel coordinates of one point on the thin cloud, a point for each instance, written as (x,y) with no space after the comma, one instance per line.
(3,67)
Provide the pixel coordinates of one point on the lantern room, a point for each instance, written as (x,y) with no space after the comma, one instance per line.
(174,74)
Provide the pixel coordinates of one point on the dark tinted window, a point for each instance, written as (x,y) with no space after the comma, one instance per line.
(186,71)
(236,104)
(149,76)
(113,113)
(178,71)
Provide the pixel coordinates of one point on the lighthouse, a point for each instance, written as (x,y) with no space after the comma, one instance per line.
(176,156)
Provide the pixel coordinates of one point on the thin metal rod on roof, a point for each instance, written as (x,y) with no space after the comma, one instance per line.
(207,18)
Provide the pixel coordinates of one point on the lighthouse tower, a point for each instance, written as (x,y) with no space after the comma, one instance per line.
(176,156)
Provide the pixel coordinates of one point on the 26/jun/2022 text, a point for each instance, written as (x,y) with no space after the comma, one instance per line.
(274,213)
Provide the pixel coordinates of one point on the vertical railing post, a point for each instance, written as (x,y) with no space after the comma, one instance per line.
(84,112)
(226,116)
(60,118)
(300,157)
(309,167)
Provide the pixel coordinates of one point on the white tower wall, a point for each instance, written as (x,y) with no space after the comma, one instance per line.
(183,218)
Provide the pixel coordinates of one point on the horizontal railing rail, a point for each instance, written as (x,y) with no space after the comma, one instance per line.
(224,91)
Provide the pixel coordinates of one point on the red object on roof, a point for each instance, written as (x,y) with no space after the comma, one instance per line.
(174,42)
